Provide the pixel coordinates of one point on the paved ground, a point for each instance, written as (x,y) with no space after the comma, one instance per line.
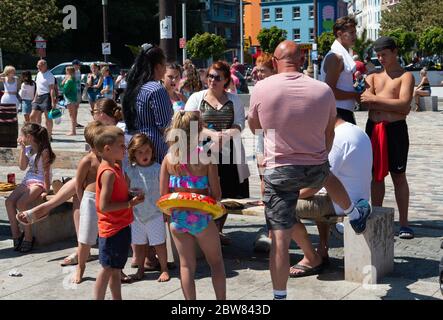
(416,261)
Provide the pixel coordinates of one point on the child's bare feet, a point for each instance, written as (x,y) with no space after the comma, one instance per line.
(164,276)
(78,276)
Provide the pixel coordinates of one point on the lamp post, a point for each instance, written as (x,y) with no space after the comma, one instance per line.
(241,33)
(184,28)
(168,33)
(314,45)
(105,25)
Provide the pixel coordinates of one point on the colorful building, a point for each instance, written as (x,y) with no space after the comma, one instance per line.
(251,22)
(297,17)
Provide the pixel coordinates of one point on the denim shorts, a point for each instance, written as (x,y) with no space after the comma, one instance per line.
(282,188)
(26,106)
(113,251)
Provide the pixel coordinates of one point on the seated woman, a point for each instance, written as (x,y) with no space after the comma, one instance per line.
(423,89)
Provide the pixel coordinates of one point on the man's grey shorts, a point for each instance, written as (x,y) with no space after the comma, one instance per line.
(42,103)
(282,188)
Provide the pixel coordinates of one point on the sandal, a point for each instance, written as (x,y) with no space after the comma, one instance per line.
(406,233)
(307,271)
(70,260)
(29,216)
(27,246)
(18,242)
(125,279)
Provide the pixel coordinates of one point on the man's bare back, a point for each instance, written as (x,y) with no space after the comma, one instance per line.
(92,163)
(393,92)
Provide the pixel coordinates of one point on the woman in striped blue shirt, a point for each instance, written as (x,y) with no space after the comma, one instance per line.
(146,106)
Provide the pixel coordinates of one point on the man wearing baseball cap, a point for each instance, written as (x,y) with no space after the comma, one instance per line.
(388,97)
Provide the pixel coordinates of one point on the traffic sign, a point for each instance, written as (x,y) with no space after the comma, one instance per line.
(314,55)
(40,43)
(182,43)
(106,48)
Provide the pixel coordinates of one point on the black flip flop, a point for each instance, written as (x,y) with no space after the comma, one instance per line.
(307,271)
(27,246)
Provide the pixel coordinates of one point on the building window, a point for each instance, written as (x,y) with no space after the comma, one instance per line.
(296,35)
(266,15)
(228,33)
(228,12)
(216,12)
(296,13)
(278,13)
(311,12)
(311,34)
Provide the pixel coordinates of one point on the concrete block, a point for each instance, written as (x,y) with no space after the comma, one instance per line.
(58,226)
(370,256)
(429,103)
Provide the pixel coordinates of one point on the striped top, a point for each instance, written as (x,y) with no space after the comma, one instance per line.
(220,119)
(154,114)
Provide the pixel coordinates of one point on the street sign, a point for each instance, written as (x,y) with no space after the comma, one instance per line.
(166,28)
(182,43)
(314,55)
(40,43)
(106,48)
(41,52)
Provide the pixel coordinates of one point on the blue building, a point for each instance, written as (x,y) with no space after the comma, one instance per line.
(297,17)
(221,17)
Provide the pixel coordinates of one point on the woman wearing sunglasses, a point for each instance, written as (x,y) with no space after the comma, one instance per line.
(223,118)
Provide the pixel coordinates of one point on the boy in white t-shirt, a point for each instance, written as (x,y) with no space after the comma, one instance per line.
(351,162)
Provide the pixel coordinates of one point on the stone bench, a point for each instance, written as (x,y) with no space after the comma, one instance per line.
(58,226)
(428,103)
(368,256)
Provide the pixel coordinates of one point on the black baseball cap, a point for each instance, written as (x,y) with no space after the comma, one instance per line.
(76,62)
(383,43)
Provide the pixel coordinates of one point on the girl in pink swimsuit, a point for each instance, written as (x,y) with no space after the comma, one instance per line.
(182,171)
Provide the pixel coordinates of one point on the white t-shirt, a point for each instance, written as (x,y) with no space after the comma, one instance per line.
(27,91)
(351,162)
(43,81)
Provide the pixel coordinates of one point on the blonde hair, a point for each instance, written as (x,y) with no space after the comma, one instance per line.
(70,70)
(92,130)
(8,70)
(108,136)
(179,133)
(137,141)
(424,72)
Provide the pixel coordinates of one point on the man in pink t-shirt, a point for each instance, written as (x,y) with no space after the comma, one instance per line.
(297,115)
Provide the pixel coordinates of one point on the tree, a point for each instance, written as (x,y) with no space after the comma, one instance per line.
(206,45)
(405,40)
(270,38)
(431,40)
(413,16)
(362,44)
(325,41)
(21,21)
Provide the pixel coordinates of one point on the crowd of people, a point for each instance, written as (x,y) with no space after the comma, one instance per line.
(306,143)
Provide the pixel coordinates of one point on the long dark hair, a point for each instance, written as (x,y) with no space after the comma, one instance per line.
(27,78)
(41,138)
(142,71)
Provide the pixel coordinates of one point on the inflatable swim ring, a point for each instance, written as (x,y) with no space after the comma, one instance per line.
(193,201)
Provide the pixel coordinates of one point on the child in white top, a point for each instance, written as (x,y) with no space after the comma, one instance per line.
(149,225)
(36,154)
(27,93)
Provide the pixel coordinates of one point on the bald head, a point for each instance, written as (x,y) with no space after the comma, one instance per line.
(288,57)
(42,65)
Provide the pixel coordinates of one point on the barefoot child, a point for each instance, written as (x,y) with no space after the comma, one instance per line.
(149,225)
(37,155)
(114,211)
(188,226)
(85,188)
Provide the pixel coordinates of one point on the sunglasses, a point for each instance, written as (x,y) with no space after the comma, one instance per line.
(214,77)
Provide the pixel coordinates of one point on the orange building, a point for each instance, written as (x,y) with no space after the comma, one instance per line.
(252,22)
